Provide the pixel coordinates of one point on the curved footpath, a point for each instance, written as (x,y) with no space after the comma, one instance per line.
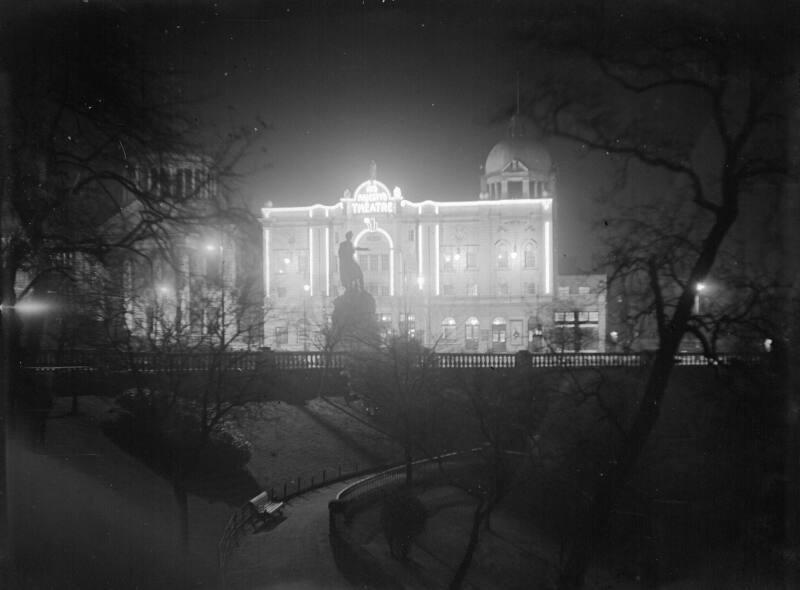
(294,553)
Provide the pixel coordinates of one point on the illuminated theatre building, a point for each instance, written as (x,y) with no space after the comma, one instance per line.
(459,276)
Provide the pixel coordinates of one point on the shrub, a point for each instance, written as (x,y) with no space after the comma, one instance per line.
(403,518)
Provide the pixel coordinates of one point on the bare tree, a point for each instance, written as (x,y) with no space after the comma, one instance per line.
(209,372)
(722,148)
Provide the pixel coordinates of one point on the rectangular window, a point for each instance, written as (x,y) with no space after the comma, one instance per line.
(472,290)
(583,290)
(411,233)
(564,317)
(563,291)
(502,289)
(530,288)
(282,335)
(408,324)
(471,253)
(447,290)
(385,262)
(448,261)
(302,262)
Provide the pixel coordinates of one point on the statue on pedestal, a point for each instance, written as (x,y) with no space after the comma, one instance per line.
(350,272)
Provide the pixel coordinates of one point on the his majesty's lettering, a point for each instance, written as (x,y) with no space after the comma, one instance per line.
(373,198)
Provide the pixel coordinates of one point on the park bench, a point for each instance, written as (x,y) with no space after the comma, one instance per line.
(264,509)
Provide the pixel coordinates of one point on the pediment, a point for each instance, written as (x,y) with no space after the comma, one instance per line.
(515,166)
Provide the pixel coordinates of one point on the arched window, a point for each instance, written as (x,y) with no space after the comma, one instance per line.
(448,329)
(501,252)
(529,254)
(472,332)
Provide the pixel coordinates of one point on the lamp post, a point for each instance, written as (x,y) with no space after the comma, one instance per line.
(221,251)
(306,289)
(698,289)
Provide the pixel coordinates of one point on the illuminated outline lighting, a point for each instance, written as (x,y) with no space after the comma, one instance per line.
(547,258)
(327,259)
(436,257)
(266,278)
(543,202)
(391,253)
(310,260)
(420,279)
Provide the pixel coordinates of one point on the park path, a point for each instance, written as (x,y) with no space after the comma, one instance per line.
(294,554)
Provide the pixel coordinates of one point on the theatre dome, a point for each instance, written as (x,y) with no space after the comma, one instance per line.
(530,152)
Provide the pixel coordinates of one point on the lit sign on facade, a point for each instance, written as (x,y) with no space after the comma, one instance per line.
(372,197)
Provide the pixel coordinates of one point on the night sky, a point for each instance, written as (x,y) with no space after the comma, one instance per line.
(423,88)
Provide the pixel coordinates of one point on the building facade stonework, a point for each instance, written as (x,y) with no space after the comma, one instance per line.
(473,275)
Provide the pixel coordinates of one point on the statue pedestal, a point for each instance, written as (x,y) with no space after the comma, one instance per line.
(353,319)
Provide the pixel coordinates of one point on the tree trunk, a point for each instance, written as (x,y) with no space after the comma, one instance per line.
(472,544)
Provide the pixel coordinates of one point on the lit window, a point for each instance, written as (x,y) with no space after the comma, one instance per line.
(563,291)
(282,335)
(529,255)
(411,235)
(385,262)
(472,290)
(583,290)
(499,331)
(563,317)
(408,325)
(530,288)
(502,289)
(501,250)
(448,329)
(472,331)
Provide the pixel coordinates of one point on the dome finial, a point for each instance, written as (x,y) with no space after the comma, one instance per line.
(373,170)
(516,128)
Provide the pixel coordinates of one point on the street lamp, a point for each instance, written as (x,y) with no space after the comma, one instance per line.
(698,289)
(212,247)
(306,289)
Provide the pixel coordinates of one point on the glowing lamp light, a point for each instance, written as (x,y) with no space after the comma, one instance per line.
(514,255)
(614,336)
(210,247)
(420,282)
(457,256)
(306,288)
(163,289)
(27,306)
(700,287)
(768,345)
(286,261)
